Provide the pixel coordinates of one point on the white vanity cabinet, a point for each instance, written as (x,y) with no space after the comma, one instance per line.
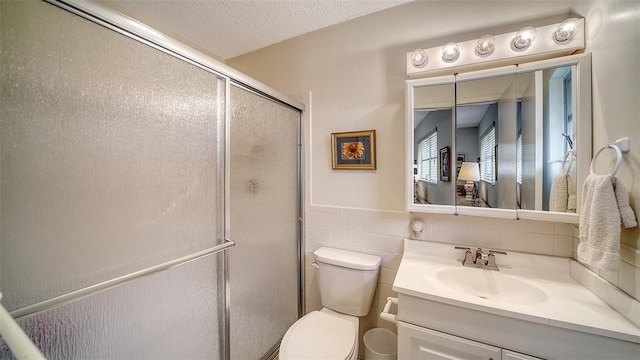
(415,342)
(531,309)
(435,330)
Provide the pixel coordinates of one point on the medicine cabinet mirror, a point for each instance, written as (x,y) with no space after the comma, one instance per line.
(492,142)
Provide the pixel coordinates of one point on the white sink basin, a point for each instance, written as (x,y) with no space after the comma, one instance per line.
(490,285)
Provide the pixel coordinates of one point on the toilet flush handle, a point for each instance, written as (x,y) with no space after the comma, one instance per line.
(315,265)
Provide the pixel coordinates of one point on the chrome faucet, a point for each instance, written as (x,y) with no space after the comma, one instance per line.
(481,260)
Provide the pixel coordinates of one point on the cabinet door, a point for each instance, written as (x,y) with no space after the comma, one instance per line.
(420,343)
(511,355)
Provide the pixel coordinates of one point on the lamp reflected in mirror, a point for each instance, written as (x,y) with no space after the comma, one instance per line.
(470,172)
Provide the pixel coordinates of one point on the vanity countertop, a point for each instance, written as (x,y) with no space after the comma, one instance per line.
(552,296)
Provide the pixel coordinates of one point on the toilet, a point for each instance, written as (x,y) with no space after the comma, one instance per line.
(347,282)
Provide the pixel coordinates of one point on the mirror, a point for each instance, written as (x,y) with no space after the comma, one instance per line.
(548,143)
(522,130)
(485,128)
(432,140)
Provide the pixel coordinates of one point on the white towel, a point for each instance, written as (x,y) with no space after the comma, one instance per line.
(600,221)
(559,197)
(627,216)
(572,198)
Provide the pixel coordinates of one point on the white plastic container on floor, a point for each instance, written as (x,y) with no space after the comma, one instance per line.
(380,344)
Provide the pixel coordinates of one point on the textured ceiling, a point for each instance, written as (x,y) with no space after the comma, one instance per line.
(229,28)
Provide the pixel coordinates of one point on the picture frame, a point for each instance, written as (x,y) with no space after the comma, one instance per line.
(445,164)
(495,161)
(460,158)
(353,150)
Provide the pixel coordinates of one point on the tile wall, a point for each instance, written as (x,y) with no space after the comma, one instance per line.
(381,233)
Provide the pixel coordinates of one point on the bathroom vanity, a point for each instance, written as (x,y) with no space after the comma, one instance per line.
(530,309)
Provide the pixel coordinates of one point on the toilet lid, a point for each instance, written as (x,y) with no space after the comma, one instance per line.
(319,336)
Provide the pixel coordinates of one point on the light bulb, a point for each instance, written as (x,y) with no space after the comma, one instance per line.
(450,52)
(419,58)
(565,30)
(523,38)
(485,46)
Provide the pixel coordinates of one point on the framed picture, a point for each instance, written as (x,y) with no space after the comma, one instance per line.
(445,164)
(354,150)
(460,158)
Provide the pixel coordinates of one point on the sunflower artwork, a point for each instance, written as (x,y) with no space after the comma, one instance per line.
(354,150)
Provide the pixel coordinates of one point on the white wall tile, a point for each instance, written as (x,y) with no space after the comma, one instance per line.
(338,238)
(324,220)
(353,212)
(353,223)
(389,243)
(513,240)
(630,255)
(465,235)
(382,233)
(390,260)
(387,276)
(545,227)
(311,218)
(517,225)
(401,228)
(442,232)
(385,227)
(337,222)
(488,238)
(629,276)
(611,276)
(427,233)
(324,235)
(386,291)
(370,241)
(562,245)
(311,232)
(563,229)
(370,225)
(311,246)
(313,208)
(489,223)
(538,243)
(353,239)
(332,210)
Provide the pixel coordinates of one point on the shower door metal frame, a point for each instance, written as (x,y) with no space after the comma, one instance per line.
(271,354)
(124,25)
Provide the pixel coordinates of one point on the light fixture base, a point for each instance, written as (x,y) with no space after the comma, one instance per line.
(543,47)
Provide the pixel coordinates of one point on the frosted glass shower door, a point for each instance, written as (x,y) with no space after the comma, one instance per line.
(111,168)
(264,212)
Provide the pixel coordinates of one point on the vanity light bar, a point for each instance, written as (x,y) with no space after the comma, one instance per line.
(527,44)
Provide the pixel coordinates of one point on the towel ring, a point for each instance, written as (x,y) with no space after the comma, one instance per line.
(568,156)
(618,161)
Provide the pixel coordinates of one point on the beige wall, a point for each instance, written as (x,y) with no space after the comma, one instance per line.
(356,72)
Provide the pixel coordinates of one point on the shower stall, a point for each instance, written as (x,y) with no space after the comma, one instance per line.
(150,198)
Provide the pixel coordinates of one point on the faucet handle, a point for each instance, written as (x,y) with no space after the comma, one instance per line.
(491,259)
(468,256)
(497,252)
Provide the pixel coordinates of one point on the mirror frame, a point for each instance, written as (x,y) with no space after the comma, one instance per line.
(581,83)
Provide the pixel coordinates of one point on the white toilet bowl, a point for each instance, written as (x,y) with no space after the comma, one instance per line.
(321,335)
(346,282)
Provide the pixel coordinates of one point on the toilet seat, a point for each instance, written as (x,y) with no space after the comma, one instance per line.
(319,335)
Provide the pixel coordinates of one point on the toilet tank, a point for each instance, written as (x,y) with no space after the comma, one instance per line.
(346,280)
